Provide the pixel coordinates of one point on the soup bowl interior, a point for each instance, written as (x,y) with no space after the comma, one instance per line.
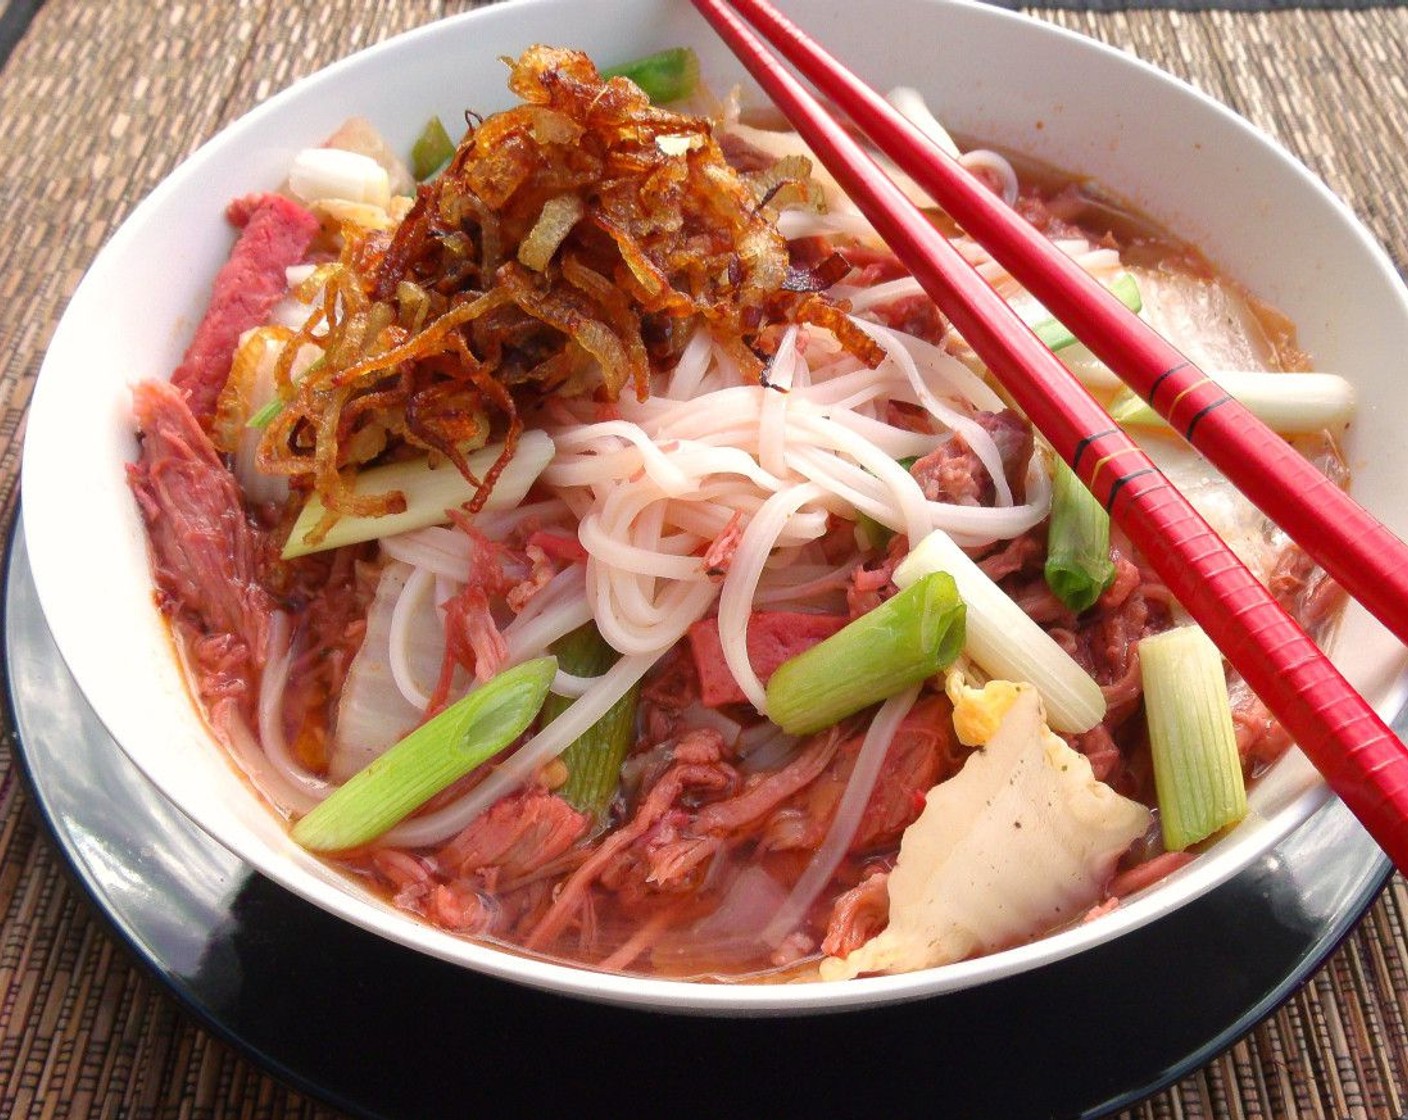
(987,73)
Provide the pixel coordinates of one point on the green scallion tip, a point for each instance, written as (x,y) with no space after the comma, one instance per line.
(594,758)
(1078,565)
(440,751)
(1054,333)
(903,641)
(666,76)
(431,151)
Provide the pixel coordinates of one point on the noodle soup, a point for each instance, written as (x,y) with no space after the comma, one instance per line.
(633,400)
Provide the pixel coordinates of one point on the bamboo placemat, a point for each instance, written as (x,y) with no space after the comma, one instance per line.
(99,101)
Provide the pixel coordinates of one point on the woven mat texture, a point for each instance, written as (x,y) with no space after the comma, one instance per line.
(99,101)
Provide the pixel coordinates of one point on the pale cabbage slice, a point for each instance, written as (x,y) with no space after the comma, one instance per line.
(1021,840)
(373,711)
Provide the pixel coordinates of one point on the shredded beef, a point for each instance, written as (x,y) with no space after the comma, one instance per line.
(765,792)
(1306,592)
(671,687)
(206,554)
(1103,640)
(953,473)
(914,315)
(517,835)
(698,768)
(858,915)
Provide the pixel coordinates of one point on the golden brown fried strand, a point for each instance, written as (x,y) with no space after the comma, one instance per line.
(572,245)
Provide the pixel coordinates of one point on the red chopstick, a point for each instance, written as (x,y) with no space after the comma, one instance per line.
(1362,554)
(1363,761)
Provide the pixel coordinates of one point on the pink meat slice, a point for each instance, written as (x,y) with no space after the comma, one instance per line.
(773,637)
(276,234)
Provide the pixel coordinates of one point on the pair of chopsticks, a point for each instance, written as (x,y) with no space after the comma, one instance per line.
(1362,760)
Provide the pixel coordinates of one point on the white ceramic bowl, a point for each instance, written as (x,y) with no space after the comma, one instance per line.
(1180,157)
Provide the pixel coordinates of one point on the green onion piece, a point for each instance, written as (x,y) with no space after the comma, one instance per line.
(666,76)
(440,751)
(431,151)
(593,759)
(429,493)
(905,640)
(1052,332)
(1287,403)
(1128,409)
(1197,770)
(1078,565)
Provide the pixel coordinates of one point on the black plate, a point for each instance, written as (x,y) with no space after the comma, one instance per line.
(380,1031)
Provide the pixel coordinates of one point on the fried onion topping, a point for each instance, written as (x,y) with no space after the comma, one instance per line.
(572,245)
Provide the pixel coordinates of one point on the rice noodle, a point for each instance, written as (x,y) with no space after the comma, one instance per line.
(878,295)
(497,524)
(564,609)
(570,684)
(684,380)
(998,168)
(736,601)
(440,551)
(800,582)
(655,486)
(309,788)
(252,758)
(419,584)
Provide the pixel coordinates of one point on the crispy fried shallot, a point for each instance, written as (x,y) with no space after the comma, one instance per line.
(572,245)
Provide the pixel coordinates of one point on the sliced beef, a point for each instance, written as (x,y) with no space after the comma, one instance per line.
(276,234)
(773,637)
(923,752)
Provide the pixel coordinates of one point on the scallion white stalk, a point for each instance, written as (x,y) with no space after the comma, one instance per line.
(1197,770)
(1287,403)
(429,493)
(1004,641)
